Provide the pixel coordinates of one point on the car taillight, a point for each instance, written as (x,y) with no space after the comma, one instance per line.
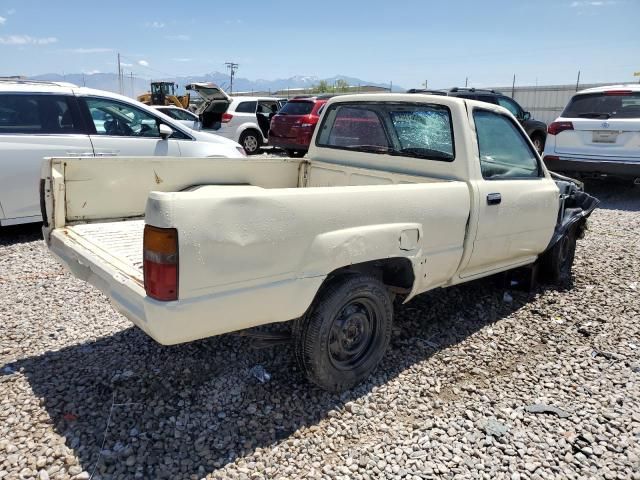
(226,117)
(160,254)
(550,157)
(557,127)
(618,92)
(309,121)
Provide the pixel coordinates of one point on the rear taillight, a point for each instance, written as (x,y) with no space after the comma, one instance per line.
(550,158)
(226,117)
(557,127)
(161,262)
(309,121)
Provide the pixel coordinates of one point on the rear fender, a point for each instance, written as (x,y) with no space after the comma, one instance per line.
(332,251)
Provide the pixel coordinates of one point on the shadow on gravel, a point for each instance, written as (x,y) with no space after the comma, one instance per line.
(615,195)
(29,232)
(189,409)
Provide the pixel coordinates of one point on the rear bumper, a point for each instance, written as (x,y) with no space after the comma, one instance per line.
(606,167)
(187,319)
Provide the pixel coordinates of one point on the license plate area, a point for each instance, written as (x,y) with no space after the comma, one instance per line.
(604,136)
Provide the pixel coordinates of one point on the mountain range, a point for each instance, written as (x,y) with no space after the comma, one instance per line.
(134,86)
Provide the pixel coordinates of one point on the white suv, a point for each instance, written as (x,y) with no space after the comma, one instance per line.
(598,134)
(48,119)
(245,119)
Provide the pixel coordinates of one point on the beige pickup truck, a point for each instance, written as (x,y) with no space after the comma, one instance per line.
(398,195)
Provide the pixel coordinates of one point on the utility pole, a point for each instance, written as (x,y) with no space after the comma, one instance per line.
(119,75)
(133,93)
(513,87)
(232,72)
(578,81)
(391,86)
(426,84)
(466,82)
(84,83)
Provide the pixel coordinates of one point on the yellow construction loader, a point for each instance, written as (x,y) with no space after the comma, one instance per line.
(163,93)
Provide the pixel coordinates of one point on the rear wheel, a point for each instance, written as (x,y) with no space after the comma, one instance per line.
(344,336)
(250,141)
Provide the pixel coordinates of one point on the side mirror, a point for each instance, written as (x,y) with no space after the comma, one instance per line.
(165,131)
(526,116)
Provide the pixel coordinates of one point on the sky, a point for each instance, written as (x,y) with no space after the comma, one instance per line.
(404,42)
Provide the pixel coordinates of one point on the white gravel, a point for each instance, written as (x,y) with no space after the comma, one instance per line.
(449,401)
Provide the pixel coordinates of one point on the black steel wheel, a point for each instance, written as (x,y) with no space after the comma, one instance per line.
(344,336)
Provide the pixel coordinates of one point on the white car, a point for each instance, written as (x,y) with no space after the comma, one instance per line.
(598,134)
(245,119)
(48,119)
(183,116)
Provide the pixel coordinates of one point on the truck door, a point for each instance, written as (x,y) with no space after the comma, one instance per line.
(517,202)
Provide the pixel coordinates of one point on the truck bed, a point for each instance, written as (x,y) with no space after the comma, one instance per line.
(117,243)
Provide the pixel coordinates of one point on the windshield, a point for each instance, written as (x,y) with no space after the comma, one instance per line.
(604,105)
(294,107)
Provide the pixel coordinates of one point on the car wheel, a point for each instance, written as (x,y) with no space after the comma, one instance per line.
(250,141)
(557,263)
(344,336)
(538,142)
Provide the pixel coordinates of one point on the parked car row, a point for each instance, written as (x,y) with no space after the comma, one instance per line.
(48,119)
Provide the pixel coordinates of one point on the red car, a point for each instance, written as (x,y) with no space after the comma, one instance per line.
(292,127)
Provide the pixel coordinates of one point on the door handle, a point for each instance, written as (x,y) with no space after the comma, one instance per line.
(494,199)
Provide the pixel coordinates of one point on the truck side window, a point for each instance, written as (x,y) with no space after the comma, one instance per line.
(504,151)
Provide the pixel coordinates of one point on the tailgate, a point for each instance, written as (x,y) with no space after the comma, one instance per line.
(601,138)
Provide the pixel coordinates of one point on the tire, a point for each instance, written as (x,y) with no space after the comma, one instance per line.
(346,332)
(538,142)
(251,141)
(557,263)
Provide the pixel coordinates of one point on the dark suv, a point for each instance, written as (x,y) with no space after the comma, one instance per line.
(536,130)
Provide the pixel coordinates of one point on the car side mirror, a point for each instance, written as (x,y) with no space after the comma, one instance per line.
(165,131)
(526,116)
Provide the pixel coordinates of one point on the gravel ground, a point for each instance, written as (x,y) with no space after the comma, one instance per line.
(455,397)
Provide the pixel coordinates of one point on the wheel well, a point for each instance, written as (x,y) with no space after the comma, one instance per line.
(396,273)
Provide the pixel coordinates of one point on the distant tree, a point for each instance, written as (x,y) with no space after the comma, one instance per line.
(341,85)
(321,87)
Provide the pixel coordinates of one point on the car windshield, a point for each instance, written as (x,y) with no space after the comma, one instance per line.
(294,107)
(604,105)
